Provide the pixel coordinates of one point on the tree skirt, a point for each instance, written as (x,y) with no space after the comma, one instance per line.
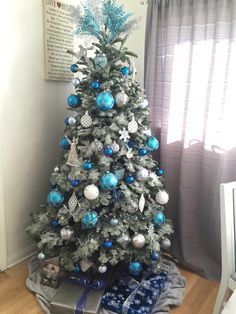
(172,294)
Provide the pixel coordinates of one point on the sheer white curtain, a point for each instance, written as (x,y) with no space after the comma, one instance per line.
(190,78)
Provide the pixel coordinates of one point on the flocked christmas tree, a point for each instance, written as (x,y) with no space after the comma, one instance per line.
(107,199)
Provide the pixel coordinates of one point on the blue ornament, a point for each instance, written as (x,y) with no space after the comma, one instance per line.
(55,223)
(125,71)
(135,268)
(160,172)
(154,256)
(108,151)
(77,269)
(107,244)
(74,68)
(90,219)
(152,143)
(100,62)
(73,101)
(131,144)
(64,143)
(55,198)
(66,121)
(74,183)
(95,85)
(117,195)
(129,179)
(108,181)
(104,101)
(159,218)
(142,151)
(87,165)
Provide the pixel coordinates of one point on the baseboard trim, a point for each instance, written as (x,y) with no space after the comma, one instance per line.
(20,256)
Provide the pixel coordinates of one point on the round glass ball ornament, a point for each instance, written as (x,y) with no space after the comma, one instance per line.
(142,151)
(121,99)
(143,104)
(91,192)
(104,101)
(159,172)
(77,269)
(154,256)
(64,143)
(76,82)
(41,256)
(142,174)
(108,151)
(165,244)
(162,197)
(90,219)
(117,195)
(129,179)
(73,101)
(55,223)
(124,71)
(131,143)
(107,244)
(114,222)
(67,233)
(159,218)
(135,268)
(100,62)
(138,241)
(74,183)
(87,165)
(71,121)
(152,143)
(95,85)
(74,68)
(55,198)
(108,181)
(102,269)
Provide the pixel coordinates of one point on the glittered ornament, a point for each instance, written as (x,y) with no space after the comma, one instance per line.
(74,68)
(138,241)
(123,240)
(124,135)
(76,82)
(165,244)
(115,147)
(86,121)
(55,223)
(90,219)
(141,174)
(102,269)
(162,197)
(64,143)
(100,62)
(141,203)
(152,143)
(87,165)
(143,104)
(104,101)
(67,233)
(108,151)
(108,181)
(131,143)
(74,183)
(72,203)
(73,101)
(55,198)
(41,256)
(120,174)
(117,195)
(121,99)
(125,71)
(95,85)
(133,126)
(159,172)
(114,222)
(135,268)
(159,218)
(91,192)
(154,256)
(129,179)
(142,151)
(73,159)
(85,265)
(96,145)
(107,244)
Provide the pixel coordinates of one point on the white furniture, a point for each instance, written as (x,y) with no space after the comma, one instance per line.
(228,233)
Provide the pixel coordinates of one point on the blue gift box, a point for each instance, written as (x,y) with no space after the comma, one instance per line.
(128,296)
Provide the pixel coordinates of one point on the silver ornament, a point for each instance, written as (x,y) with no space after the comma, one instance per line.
(121,99)
(73,159)
(67,233)
(114,222)
(115,147)
(41,256)
(141,203)
(120,174)
(142,174)
(123,240)
(86,121)
(124,135)
(71,121)
(96,145)
(73,202)
(133,126)
(76,82)
(56,169)
(91,192)
(165,244)
(162,197)
(143,104)
(138,241)
(102,269)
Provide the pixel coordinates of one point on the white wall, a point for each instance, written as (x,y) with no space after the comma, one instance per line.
(32,112)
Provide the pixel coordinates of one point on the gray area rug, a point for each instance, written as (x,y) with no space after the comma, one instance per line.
(172,294)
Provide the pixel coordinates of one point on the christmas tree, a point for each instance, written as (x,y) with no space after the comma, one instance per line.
(107,196)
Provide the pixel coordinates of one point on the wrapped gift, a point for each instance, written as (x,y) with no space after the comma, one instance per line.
(129,296)
(78,295)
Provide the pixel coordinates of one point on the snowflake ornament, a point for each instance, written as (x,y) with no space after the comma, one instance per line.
(124,135)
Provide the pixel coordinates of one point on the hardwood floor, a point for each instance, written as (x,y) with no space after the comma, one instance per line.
(200,294)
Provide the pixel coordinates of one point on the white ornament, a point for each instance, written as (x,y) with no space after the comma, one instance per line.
(73,159)
(141,203)
(41,256)
(71,121)
(165,244)
(138,241)
(56,169)
(67,233)
(76,82)
(91,192)
(134,72)
(147,132)
(142,174)
(143,104)
(102,269)
(162,197)
(96,145)
(121,99)
(123,240)
(129,153)
(151,230)
(124,135)
(86,121)
(115,147)
(133,126)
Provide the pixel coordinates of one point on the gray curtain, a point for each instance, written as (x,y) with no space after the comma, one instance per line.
(190,81)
